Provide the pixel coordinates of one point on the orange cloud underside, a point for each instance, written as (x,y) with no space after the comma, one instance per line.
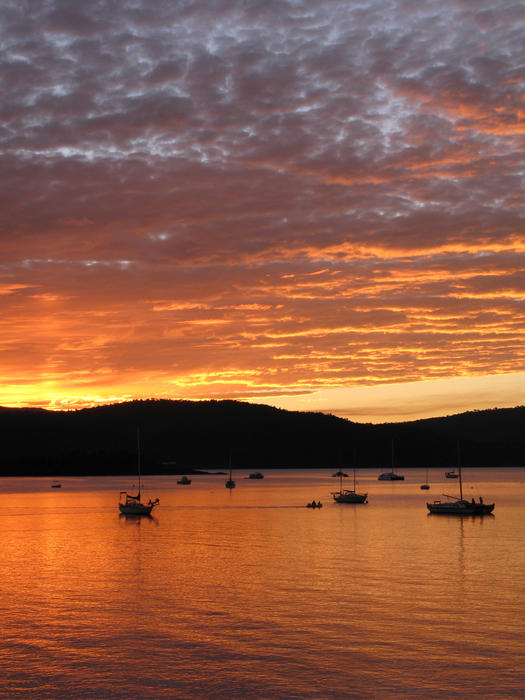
(266,333)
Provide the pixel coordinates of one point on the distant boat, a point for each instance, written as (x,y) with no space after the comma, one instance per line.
(451,475)
(460,506)
(184,481)
(130,504)
(230,483)
(426,485)
(391,476)
(56,485)
(346,495)
(313,504)
(256,475)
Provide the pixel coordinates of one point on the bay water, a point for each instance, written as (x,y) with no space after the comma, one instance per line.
(246,593)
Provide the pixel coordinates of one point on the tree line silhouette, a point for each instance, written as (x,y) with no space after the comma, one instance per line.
(177,436)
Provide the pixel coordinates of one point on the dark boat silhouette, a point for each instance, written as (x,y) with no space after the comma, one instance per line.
(347,495)
(130,504)
(460,506)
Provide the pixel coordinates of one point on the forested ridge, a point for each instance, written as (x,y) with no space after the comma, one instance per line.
(176,436)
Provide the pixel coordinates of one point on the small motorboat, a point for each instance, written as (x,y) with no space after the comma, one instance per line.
(56,485)
(256,475)
(184,481)
(451,475)
(313,504)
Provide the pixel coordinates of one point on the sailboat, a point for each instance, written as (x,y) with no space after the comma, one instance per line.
(391,476)
(230,483)
(460,506)
(426,485)
(346,495)
(130,504)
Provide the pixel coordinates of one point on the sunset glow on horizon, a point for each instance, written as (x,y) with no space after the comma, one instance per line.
(317,206)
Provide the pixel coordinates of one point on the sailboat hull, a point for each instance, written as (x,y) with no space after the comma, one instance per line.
(460,508)
(350,497)
(135,508)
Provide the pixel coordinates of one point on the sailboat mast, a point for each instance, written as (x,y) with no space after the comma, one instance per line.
(460,479)
(138,456)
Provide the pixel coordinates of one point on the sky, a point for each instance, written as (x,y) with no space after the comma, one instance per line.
(313,205)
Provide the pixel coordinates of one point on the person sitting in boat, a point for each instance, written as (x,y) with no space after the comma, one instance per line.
(313,504)
(319,504)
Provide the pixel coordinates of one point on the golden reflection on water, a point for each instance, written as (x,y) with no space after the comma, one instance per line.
(247,593)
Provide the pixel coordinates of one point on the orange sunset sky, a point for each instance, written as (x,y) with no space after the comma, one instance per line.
(315,205)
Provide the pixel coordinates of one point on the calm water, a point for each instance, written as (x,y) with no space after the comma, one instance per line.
(248,594)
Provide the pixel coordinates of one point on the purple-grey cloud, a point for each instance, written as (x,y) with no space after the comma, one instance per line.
(355,170)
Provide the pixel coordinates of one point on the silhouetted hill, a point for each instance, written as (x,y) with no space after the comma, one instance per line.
(179,435)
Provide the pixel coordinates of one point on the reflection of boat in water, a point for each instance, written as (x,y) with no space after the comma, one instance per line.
(56,485)
(392,475)
(451,475)
(256,475)
(460,506)
(130,504)
(347,495)
(184,481)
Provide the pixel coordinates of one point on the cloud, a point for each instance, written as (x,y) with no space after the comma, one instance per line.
(224,199)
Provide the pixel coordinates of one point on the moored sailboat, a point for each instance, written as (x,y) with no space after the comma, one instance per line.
(426,485)
(130,504)
(230,483)
(391,475)
(460,506)
(347,495)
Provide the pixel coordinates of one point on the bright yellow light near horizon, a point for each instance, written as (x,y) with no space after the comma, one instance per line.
(365,399)
(404,401)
